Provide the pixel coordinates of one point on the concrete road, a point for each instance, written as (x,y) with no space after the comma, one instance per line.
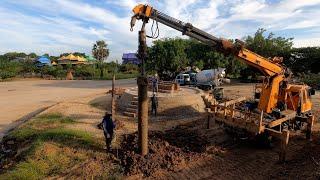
(19,98)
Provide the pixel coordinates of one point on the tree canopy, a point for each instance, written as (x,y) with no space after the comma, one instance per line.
(101,52)
(269,45)
(306,59)
(172,55)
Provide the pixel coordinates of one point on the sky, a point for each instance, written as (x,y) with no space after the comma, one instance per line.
(59,26)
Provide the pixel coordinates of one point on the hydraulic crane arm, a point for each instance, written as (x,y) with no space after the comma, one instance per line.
(271,92)
(268,68)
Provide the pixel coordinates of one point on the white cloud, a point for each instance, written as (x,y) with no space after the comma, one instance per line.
(66,26)
(307,42)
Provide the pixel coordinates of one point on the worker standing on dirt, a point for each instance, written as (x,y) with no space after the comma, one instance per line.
(108,129)
(154,104)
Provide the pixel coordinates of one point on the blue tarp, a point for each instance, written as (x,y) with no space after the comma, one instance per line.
(43,60)
(130,58)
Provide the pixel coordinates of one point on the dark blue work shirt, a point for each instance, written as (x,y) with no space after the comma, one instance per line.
(108,125)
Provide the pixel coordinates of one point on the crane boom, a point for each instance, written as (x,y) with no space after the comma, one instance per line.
(264,65)
(274,72)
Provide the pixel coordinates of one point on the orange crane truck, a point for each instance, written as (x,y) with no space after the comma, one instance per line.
(288,103)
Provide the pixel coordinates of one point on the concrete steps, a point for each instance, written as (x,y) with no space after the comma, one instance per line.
(134,102)
(132,108)
(130,114)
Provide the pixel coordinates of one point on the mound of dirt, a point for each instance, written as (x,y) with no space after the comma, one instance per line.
(162,154)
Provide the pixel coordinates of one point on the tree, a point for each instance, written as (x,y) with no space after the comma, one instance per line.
(46,55)
(306,59)
(53,58)
(167,57)
(64,54)
(28,66)
(13,55)
(268,46)
(79,54)
(33,55)
(101,52)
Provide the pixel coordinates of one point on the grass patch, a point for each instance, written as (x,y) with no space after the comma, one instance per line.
(52,149)
(37,125)
(49,159)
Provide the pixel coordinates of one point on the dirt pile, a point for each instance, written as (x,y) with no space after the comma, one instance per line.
(169,150)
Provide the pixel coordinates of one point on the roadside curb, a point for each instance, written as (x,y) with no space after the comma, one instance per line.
(22,120)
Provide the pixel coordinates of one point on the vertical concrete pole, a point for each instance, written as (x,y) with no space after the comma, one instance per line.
(142,82)
(113,101)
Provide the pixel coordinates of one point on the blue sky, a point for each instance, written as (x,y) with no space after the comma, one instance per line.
(58,26)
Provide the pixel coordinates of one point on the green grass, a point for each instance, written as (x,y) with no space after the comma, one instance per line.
(37,125)
(49,129)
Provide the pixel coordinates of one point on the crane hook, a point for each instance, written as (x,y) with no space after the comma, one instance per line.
(133,22)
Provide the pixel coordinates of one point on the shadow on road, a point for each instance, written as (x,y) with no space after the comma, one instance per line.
(87,84)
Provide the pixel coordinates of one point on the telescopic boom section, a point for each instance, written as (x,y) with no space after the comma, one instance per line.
(268,68)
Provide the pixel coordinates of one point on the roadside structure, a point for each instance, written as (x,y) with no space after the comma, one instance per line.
(43,61)
(130,58)
(72,59)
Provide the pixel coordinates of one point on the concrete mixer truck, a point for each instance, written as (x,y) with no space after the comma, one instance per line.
(210,78)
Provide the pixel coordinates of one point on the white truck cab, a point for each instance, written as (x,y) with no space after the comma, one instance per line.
(183,79)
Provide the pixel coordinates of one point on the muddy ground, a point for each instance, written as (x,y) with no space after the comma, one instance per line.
(191,151)
(185,149)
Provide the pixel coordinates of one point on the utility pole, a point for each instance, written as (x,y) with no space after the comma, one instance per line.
(142,82)
(113,101)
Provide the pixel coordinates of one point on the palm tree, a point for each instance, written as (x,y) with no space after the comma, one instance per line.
(101,52)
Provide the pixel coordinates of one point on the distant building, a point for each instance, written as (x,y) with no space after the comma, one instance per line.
(130,58)
(91,59)
(43,61)
(72,59)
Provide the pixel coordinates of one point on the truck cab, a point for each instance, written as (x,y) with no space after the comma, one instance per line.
(183,79)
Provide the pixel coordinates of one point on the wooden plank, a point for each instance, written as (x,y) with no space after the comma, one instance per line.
(274,133)
(225,109)
(311,120)
(288,116)
(250,127)
(233,110)
(284,145)
(261,122)
(228,103)
(234,101)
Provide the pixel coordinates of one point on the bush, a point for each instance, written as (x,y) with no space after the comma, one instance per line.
(311,79)
(87,71)
(9,69)
(129,67)
(55,71)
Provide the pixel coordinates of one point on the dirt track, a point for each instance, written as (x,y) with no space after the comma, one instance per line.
(223,157)
(18,98)
(185,149)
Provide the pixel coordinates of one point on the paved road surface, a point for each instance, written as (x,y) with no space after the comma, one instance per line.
(19,98)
